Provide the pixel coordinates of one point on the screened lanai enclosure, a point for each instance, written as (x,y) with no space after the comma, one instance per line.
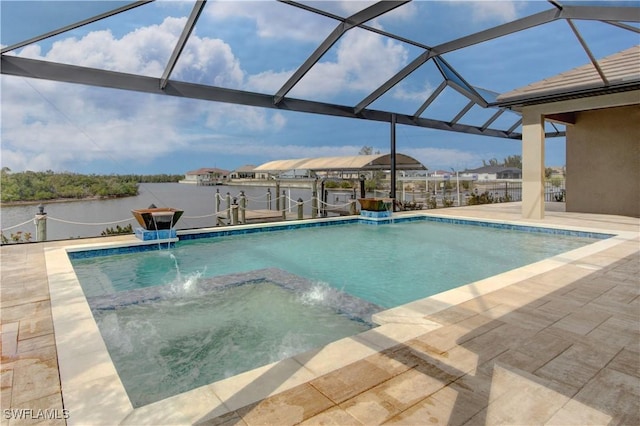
(354,60)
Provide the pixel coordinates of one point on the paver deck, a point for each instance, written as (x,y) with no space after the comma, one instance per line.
(557,347)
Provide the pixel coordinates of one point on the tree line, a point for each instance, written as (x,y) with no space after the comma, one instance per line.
(49,185)
(510,161)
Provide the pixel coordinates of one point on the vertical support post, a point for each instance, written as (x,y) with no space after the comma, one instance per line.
(532,164)
(269,198)
(404,192)
(228,205)
(217,200)
(277,195)
(426,188)
(284,201)
(243,207)
(300,209)
(363,193)
(393,159)
(314,200)
(323,201)
(325,197)
(40,221)
(234,211)
(458,186)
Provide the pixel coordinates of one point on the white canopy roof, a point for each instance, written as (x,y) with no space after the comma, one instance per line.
(351,163)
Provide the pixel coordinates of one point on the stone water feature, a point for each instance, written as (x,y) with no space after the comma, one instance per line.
(376,207)
(156,223)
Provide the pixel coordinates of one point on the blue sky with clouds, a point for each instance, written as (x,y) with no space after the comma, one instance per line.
(256,46)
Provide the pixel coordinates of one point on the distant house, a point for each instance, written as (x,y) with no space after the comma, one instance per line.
(440,174)
(244,172)
(206,176)
(492,173)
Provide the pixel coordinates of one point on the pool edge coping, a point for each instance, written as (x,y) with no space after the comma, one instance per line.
(92,374)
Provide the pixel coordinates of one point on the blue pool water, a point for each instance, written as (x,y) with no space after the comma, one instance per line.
(387,265)
(194,338)
(206,309)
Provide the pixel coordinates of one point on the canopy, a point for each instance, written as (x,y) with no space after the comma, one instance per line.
(345,163)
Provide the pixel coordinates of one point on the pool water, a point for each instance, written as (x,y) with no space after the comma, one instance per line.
(387,265)
(179,343)
(207,309)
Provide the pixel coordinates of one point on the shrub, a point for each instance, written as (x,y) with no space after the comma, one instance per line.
(118,230)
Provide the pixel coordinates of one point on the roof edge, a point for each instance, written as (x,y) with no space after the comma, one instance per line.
(564,94)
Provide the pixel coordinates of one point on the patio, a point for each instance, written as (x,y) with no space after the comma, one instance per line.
(557,342)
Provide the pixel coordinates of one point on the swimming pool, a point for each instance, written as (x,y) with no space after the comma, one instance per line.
(383,266)
(387,265)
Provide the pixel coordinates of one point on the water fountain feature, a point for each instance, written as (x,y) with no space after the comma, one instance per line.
(156,223)
(376,208)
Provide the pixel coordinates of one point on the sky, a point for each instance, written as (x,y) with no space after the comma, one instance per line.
(256,46)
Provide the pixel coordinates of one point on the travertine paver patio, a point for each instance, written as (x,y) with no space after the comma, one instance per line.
(560,347)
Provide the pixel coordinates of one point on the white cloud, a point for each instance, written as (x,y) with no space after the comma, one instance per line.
(50,125)
(250,119)
(400,92)
(363,61)
(402,12)
(491,10)
(268,81)
(274,20)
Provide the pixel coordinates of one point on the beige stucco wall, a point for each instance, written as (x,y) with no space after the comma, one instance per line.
(603,162)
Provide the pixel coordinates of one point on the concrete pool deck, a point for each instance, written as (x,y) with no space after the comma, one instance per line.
(556,342)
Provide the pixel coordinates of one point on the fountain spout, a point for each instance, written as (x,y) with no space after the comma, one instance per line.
(156,223)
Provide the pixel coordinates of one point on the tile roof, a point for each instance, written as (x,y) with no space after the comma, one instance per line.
(621,69)
(207,170)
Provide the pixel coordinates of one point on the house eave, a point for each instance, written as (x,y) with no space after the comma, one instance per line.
(517,103)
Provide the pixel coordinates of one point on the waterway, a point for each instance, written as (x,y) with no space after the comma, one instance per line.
(78,219)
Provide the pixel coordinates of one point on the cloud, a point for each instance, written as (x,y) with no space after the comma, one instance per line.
(146,51)
(350,7)
(361,62)
(401,92)
(491,10)
(50,125)
(249,119)
(271,18)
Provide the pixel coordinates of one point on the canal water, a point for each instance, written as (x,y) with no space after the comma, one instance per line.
(78,219)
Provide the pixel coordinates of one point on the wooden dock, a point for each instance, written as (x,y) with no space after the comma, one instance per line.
(255,216)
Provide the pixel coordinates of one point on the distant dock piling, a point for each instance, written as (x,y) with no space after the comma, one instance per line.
(40,221)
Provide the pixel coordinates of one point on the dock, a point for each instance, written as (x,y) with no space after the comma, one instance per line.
(255,216)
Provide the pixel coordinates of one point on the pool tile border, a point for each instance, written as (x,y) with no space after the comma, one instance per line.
(400,324)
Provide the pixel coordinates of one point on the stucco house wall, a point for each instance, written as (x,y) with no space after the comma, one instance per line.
(603,162)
